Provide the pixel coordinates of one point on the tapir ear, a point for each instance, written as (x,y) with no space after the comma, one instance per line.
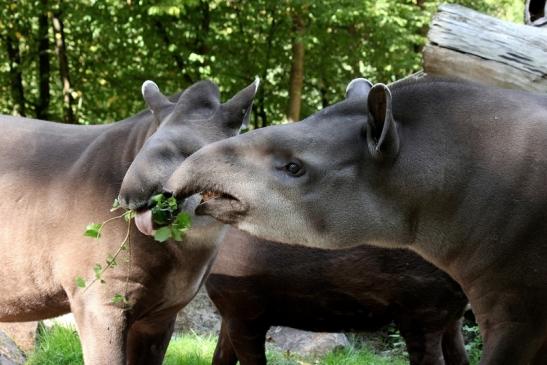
(201,99)
(157,102)
(237,110)
(358,88)
(381,129)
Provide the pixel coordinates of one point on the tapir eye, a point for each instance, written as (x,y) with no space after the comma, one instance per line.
(294,169)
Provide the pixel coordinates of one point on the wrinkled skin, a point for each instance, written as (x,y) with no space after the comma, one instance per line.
(256,284)
(454,171)
(58,178)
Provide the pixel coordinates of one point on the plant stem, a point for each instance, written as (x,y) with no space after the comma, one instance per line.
(110,262)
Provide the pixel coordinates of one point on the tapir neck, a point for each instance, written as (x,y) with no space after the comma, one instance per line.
(117,145)
(475,169)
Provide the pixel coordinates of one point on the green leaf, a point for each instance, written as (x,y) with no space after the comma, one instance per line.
(162,234)
(119,298)
(183,220)
(115,205)
(160,217)
(80,282)
(111,261)
(98,270)
(128,215)
(93,230)
(177,234)
(172,203)
(158,198)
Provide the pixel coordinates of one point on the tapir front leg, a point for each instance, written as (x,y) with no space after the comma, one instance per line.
(513,329)
(541,356)
(510,343)
(103,333)
(148,341)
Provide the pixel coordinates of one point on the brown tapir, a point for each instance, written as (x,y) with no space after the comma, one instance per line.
(454,171)
(56,178)
(256,284)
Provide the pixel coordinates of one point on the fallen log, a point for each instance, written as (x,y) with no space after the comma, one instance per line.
(470,45)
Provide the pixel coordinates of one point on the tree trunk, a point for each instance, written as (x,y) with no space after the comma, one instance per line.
(15,73)
(466,44)
(296,81)
(60,47)
(42,105)
(203,29)
(261,107)
(323,91)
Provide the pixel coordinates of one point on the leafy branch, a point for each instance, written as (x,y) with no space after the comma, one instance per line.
(164,214)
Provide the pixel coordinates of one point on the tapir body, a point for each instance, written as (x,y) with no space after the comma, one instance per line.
(455,171)
(55,179)
(256,284)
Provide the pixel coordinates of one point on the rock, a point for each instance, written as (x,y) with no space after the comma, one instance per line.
(10,354)
(22,333)
(199,316)
(306,344)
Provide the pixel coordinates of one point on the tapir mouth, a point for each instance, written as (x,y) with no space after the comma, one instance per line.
(222,206)
(145,221)
(219,204)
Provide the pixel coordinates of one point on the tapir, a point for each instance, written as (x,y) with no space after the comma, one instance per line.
(256,284)
(55,179)
(455,171)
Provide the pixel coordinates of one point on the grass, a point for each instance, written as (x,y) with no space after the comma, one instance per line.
(56,346)
(60,346)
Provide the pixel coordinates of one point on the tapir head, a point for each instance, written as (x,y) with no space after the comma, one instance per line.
(305,182)
(196,119)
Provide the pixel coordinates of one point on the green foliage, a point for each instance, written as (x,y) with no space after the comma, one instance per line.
(165,213)
(93,230)
(190,349)
(120,299)
(473,343)
(163,209)
(362,355)
(113,46)
(56,346)
(59,345)
(80,282)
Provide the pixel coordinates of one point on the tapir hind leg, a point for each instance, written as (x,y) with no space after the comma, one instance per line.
(224,351)
(248,339)
(453,345)
(148,340)
(424,347)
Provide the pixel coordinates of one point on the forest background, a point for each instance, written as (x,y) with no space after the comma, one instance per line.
(84,61)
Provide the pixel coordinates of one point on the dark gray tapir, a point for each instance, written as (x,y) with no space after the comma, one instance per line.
(56,178)
(256,284)
(454,171)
